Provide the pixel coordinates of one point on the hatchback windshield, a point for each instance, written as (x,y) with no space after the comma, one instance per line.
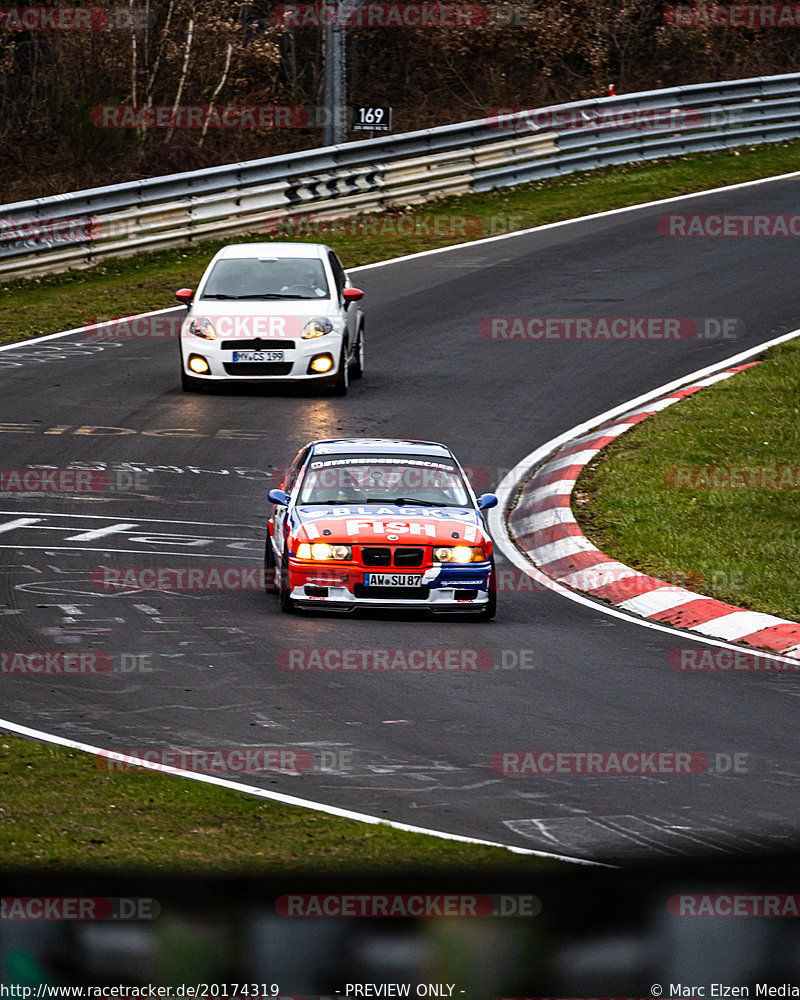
(398,479)
(267,278)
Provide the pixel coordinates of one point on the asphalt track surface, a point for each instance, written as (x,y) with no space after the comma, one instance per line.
(409,746)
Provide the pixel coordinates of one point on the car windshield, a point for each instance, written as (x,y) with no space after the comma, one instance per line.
(267,278)
(404,480)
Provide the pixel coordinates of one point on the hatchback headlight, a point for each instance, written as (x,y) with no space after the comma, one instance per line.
(203,328)
(317,327)
(323,552)
(459,554)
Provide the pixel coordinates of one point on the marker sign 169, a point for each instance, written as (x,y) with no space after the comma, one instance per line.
(372,119)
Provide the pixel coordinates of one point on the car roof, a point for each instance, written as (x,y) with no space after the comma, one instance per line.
(280,250)
(383,446)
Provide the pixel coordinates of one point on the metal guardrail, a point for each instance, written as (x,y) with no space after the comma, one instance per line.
(84,227)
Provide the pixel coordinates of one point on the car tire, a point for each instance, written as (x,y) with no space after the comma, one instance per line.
(269,566)
(341,380)
(489,610)
(286,602)
(357,369)
(189,384)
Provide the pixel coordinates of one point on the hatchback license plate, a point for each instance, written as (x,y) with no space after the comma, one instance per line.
(258,355)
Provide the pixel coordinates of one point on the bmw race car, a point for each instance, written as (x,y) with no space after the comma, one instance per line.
(371,522)
(267,312)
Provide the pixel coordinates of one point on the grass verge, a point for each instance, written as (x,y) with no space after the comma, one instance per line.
(736,543)
(60,810)
(146,281)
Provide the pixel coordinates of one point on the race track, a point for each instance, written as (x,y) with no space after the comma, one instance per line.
(409,746)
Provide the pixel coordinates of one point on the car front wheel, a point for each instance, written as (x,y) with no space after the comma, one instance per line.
(189,384)
(341,380)
(269,566)
(286,602)
(489,610)
(358,360)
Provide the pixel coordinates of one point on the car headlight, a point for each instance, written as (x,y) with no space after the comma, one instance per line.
(316,327)
(460,554)
(203,328)
(323,552)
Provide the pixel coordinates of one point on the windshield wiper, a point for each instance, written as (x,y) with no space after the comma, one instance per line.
(254,295)
(399,502)
(325,503)
(412,501)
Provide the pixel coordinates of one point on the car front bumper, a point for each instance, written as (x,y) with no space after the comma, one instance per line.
(297,357)
(443,588)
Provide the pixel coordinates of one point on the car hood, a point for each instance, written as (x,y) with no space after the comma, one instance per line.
(380,524)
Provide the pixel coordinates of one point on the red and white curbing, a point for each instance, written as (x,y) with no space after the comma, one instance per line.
(543,526)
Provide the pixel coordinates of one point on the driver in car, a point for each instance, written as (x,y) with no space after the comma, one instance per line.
(306,278)
(333,486)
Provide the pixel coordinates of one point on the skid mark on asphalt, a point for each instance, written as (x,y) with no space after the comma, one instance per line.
(604,838)
(52,352)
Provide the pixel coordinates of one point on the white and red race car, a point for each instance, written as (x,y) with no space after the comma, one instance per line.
(372,522)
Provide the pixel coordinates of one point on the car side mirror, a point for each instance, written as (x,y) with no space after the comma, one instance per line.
(184,295)
(352,294)
(486,501)
(279,497)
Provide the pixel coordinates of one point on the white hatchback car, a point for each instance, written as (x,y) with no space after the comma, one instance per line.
(267,312)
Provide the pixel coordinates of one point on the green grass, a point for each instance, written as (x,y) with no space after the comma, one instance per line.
(146,281)
(60,810)
(740,545)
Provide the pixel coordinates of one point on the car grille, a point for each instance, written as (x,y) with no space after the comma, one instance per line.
(257,345)
(408,557)
(375,555)
(381,555)
(257,367)
(392,593)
